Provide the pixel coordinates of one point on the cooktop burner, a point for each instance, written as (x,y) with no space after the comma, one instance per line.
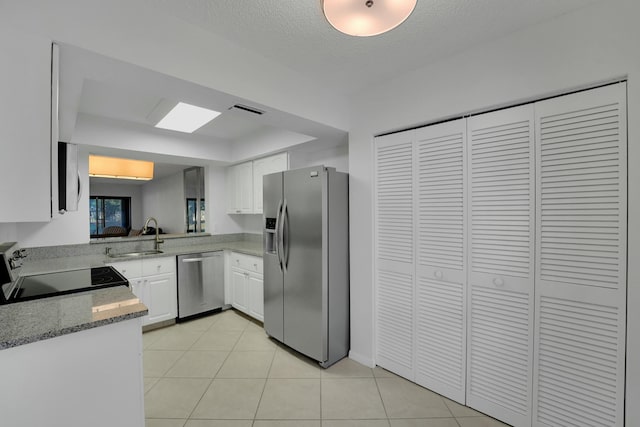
(64,282)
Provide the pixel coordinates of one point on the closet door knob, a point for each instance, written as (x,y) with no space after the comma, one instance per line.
(438,274)
(498,281)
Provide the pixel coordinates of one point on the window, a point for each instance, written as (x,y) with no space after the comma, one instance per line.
(192,210)
(109,211)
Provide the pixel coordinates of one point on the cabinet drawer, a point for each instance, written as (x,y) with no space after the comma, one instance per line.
(129,269)
(246,262)
(153,266)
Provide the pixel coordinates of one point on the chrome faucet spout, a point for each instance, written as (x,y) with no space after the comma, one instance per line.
(146,227)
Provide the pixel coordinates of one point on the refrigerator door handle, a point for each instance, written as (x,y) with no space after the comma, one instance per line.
(278,236)
(285,236)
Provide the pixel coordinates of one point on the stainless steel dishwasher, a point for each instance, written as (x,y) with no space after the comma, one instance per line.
(200,284)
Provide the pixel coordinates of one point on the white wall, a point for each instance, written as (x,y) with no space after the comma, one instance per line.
(70,228)
(164,200)
(122,190)
(335,157)
(8,232)
(592,45)
(266,142)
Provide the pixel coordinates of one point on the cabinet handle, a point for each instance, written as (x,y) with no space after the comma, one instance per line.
(498,281)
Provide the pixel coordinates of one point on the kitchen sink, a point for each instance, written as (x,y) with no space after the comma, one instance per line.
(134,254)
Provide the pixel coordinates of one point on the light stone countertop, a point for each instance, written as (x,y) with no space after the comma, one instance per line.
(40,319)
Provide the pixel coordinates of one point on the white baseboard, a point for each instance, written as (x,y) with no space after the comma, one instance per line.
(366,361)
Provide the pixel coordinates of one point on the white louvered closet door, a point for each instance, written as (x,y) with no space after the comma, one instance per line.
(501,237)
(441,259)
(581,259)
(394,251)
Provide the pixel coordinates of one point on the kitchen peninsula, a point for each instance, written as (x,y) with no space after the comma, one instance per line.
(73,360)
(77,357)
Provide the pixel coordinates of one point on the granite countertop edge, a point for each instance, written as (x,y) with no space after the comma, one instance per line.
(16,342)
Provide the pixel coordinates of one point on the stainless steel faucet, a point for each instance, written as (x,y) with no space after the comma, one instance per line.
(145,228)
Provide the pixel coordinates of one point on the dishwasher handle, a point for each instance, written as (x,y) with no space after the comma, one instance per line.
(193,260)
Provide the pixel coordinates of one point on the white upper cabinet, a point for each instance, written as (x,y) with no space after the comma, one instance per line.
(244,183)
(25,128)
(240,188)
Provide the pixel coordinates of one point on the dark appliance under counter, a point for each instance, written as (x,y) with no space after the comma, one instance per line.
(60,283)
(16,288)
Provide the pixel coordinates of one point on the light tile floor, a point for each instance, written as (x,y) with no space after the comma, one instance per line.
(223,371)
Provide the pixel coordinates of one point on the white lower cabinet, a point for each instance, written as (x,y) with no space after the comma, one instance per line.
(157,291)
(239,289)
(247,284)
(255,286)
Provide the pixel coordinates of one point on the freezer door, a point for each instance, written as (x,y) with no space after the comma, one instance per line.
(305,325)
(200,283)
(273,273)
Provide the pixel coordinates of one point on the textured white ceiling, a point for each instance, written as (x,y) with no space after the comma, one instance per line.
(295,34)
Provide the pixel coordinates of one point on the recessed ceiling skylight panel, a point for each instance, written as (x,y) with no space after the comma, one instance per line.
(187,118)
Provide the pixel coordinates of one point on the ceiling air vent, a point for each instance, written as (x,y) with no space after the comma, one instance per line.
(247,109)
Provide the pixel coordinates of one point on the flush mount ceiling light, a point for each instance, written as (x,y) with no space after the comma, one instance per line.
(113,167)
(187,118)
(366,17)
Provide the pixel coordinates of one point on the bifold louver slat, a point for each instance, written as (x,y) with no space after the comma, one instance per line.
(581,259)
(441,241)
(501,191)
(394,226)
(500,251)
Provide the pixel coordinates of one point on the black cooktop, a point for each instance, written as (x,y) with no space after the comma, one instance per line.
(64,282)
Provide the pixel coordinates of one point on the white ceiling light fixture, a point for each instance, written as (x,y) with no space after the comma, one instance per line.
(187,118)
(367,17)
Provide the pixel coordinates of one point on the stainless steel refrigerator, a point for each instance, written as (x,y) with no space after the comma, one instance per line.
(306,261)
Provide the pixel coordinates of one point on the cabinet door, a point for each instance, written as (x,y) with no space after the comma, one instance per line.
(581,259)
(239,289)
(141,290)
(162,297)
(441,260)
(244,188)
(256,296)
(129,269)
(25,117)
(240,188)
(501,270)
(394,253)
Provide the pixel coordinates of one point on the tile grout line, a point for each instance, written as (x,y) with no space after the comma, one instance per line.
(263,387)
(375,379)
(215,375)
